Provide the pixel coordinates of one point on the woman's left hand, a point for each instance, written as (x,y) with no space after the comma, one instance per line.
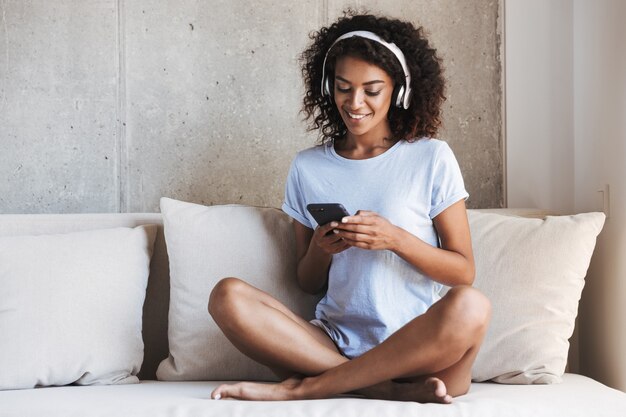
(368,230)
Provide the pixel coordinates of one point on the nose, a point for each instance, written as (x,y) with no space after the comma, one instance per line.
(355,99)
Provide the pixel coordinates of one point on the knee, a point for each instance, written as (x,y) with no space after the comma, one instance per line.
(225,296)
(467,307)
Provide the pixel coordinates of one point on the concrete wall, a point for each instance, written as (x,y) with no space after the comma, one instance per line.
(107,105)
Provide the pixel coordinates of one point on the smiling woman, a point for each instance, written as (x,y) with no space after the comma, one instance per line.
(410,61)
(374,91)
(363,96)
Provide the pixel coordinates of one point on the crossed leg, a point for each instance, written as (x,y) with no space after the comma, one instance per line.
(427,360)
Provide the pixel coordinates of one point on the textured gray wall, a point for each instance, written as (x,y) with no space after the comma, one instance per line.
(107,105)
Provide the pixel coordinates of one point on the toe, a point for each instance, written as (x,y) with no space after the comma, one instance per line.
(224,391)
(439,390)
(216,394)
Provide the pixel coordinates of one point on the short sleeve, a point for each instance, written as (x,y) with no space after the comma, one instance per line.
(294,204)
(447,180)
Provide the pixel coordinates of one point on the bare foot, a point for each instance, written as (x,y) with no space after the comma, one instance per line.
(257,391)
(431,390)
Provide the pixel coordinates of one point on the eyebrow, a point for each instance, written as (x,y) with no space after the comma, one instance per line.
(367,83)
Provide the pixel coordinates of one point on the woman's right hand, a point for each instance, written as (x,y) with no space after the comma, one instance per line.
(328,241)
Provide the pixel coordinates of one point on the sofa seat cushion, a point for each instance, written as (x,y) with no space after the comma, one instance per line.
(576,396)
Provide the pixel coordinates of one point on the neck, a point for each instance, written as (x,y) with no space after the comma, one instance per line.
(360,147)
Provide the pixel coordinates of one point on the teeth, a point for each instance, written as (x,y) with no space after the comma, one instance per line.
(357,116)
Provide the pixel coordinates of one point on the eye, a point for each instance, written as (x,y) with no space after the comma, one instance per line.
(343,90)
(372,93)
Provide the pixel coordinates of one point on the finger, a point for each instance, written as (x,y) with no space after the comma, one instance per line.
(331,236)
(360,245)
(336,242)
(353,227)
(340,247)
(353,237)
(361,228)
(358,219)
(330,243)
(329,226)
(325,228)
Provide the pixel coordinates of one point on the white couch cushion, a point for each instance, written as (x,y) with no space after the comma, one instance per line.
(204,245)
(71,306)
(577,396)
(533,272)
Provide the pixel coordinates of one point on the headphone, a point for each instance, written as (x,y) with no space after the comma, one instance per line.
(401,96)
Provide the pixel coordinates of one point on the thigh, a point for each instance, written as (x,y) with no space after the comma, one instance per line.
(316,332)
(267,331)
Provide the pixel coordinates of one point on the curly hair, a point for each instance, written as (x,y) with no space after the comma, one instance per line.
(422,118)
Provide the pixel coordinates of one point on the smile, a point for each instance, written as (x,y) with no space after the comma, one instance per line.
(357,116)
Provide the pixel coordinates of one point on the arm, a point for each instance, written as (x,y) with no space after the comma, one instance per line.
(452,264)
(314,252)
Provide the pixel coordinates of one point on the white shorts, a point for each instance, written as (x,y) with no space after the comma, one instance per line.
(331,333)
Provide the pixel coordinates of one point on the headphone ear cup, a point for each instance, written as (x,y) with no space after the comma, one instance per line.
(397,97)
(329,88)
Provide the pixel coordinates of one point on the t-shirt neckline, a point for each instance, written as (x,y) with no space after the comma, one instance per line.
(386,154)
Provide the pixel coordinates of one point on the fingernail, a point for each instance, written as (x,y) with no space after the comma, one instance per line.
(335,231)
(334,224)
(344,220)
(217,397)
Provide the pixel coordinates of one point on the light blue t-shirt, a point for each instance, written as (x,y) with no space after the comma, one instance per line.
(372,293)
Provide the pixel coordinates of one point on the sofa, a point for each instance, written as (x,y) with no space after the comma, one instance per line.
(105,314)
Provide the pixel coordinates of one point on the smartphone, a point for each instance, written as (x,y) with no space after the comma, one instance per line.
(327,212)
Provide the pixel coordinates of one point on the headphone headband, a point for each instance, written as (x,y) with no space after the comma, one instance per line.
(404,95)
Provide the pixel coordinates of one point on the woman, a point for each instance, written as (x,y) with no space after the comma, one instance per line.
(374,89)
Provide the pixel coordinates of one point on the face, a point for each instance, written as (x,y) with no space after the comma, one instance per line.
(363,96)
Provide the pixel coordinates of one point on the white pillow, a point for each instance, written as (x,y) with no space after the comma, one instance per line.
(71,307)
(533,272)
(204,245)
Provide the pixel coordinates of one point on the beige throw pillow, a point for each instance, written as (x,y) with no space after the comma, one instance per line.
(533,272)
(71,307)
(204,245)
